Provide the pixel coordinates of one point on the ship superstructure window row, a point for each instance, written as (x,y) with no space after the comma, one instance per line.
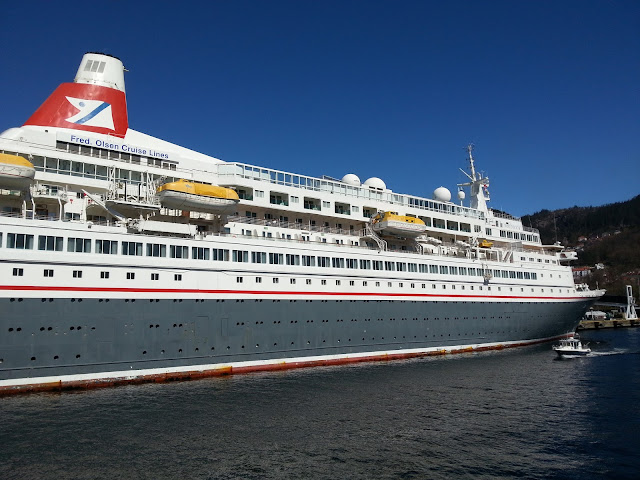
(244,171)
(110,247)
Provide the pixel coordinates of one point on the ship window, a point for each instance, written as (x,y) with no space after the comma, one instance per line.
(104,274)
(177,277)
(390,266)
(240,256)
(276,258)
(131,275)
(338,282)
(323,282)
(276,280)
(132,248)
(239,279)
(444,269)
(365,264)
(49,243)
(364,284)
(337,262)
(308,261)
(178,251)
(433,269)
(258,279)
(292,259)
(156,250)
(308,281)
(401,266)
(20,241)
(377,284)
(323,262)
(109,247)
(258,257)
(199,253)
(155,276)
(292,281)
(18,272)
(77,274)
(220,254)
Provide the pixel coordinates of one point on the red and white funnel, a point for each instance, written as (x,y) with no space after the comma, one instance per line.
(95,102)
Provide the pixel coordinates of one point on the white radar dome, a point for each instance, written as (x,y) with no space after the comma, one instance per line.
(442,194)
(375,182)
(461,195)
(351,179)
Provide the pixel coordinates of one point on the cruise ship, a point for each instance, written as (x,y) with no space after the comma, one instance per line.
(125,258)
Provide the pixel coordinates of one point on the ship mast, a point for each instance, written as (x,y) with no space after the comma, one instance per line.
(478,183)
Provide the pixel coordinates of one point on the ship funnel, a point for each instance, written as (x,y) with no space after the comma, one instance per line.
(101,69)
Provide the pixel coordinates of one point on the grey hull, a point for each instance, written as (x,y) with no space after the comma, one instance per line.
(55,337)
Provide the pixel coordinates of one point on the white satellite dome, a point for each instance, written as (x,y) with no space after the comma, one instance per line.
(442,194)
(375,182)
(461,195)
(351,179)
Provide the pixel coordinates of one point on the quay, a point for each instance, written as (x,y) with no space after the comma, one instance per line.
(628,316)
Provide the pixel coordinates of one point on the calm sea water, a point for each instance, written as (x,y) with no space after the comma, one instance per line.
(510,414)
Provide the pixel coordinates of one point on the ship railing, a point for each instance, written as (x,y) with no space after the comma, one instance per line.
(356,232)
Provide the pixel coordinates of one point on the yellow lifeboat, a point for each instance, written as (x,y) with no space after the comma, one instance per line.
(482,243)
(15,172)
(197,197)
(388,223)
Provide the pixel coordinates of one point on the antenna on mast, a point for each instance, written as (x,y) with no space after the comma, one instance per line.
(469,149)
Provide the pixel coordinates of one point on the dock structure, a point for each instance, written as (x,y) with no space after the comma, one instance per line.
(629,316)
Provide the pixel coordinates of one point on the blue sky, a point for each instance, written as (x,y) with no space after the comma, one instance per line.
(548,91)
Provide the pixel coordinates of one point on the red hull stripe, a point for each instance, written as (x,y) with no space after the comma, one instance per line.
(53,288)
(234,370)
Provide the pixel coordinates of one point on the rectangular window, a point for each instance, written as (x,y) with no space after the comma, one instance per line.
(324,262)
(308,261)
(377,264)
(177,277)
(453,270)
(472,271)
(220,255)
(239,279)
(390,266)
(156,250)
(199,253)
(18,272)
(444,270)
(352,263)
(337,262)
(79,245)
(131,275)
(178,251)
(20,241)
(365,264)
(258,257)
(132,248)
(50,243)
(433,269)
(240,256)
(104,274)
(423,268)
(155,276)
(77,274)
(413,267)
(293,259)
(109,247)
(401,266)
(276,258)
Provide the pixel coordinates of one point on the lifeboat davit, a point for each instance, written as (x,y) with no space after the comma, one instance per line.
(197,197)
(387,223)
(15,172)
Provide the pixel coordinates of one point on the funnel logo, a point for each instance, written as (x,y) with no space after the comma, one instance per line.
(93,113)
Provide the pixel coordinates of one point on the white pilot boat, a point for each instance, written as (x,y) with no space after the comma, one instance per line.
(571,346)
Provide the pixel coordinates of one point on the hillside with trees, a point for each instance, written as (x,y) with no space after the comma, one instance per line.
(607,235)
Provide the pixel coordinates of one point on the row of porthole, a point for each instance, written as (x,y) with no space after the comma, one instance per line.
(42,329)
(56,357)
